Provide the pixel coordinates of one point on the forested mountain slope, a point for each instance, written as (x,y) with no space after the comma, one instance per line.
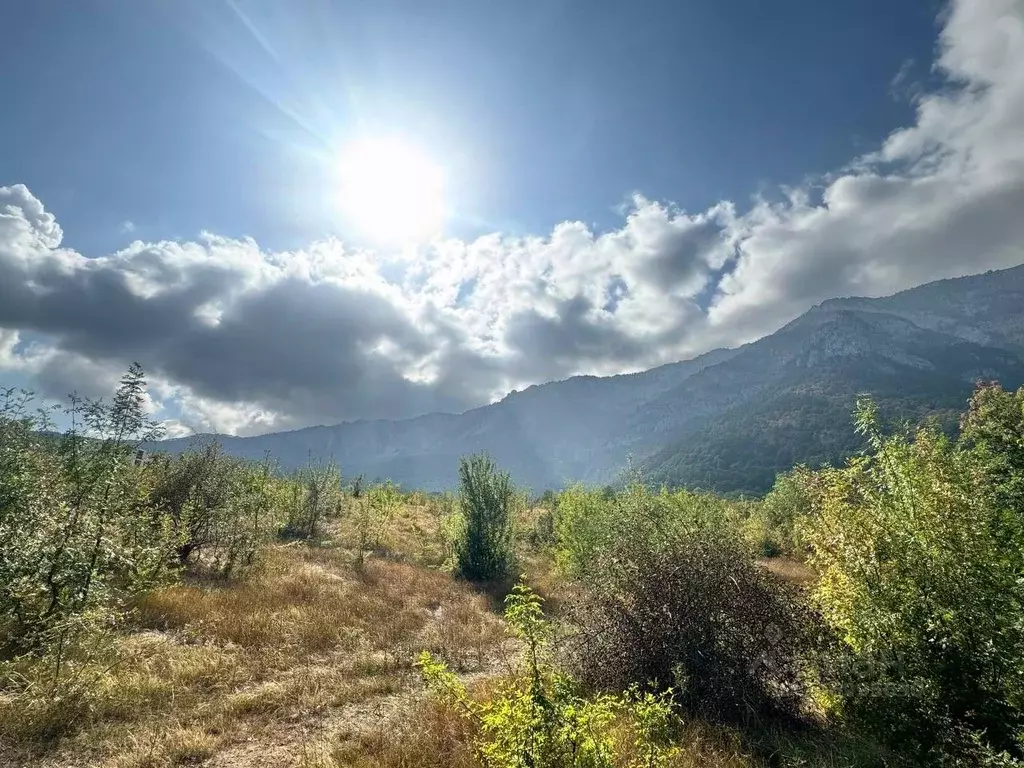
(728,420)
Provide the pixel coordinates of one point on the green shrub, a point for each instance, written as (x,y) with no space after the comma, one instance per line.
(538,720)
(775,525)
(487,500)
(385,500)
(191,488)
(77,532)
(994,426)
(921,574)
(223,510)
(584,525)
(588,523)
(249,520)
(314,494)
(696,615)
(373,511)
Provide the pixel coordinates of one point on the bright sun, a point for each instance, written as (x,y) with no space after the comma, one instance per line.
(391,191)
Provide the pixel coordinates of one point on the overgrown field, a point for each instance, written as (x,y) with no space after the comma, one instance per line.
(201,610)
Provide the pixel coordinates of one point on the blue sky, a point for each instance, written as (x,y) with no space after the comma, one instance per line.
(189,116)
(190,185)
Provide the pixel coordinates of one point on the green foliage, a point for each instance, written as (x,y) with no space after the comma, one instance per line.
(994,426)
(588,524)
(385,500)
(775,525)
(314,494)
(538,719)
(921,574)
(487,503)
(191,489)
(445,508)
(77,531)
(86,525)
(223,510)
(584,525)
(373,510)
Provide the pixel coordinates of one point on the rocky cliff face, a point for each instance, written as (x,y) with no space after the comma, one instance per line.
(729,420)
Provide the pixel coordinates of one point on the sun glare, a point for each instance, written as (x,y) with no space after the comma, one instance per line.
(391,191)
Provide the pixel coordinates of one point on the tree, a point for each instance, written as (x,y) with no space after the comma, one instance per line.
(76,529)
(222,510)
(921,577)
(994,426)
(487,497)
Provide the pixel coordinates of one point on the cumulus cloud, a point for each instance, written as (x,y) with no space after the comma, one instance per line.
(243,340)
(938,199)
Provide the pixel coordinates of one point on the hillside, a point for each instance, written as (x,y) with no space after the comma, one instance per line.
(786,399)
(729,420)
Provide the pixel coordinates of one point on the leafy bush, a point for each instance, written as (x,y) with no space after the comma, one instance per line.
(538,720)
(699,616)
(192,489)
(589,524)
(249,520)
(776,524)
(487,500)
(76,529)
(921,574)
(994,426)
(223,510)
(314,494)
(584,525)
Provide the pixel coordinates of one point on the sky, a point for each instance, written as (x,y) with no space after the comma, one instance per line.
(306,213)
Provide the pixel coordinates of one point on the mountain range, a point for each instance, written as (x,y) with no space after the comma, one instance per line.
(728,420)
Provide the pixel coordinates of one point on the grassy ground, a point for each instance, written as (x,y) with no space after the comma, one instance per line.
(307,662)
(311,648)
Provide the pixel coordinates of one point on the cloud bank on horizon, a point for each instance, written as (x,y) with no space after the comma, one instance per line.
(242,340)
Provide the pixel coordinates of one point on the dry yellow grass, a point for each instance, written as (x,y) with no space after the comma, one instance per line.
(429,735)
(412,532)
(306,643)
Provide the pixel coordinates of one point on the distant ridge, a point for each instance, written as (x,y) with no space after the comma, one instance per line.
(727,420)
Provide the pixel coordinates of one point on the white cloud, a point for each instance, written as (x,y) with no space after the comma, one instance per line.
(939,199)
(9,357)
(243,340)
(199,415)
